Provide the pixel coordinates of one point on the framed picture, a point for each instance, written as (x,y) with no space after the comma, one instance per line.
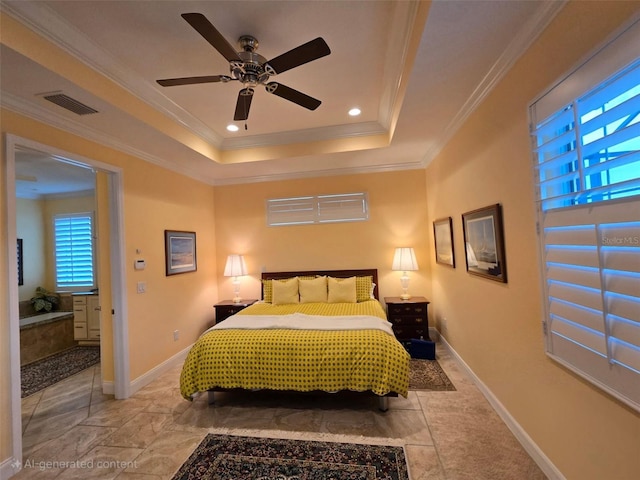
(484,243)
(180,252)
(443,237)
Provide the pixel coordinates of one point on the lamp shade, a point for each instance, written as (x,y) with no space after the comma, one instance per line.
(235,266)
(404,260)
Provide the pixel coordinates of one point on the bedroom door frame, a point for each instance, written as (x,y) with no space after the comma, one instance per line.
(121,383)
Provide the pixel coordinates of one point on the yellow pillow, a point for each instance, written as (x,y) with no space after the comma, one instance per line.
(267,291)
(313,290)
(364,288)
(285,291)
(342,290)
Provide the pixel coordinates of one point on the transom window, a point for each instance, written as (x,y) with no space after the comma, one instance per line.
(345,207)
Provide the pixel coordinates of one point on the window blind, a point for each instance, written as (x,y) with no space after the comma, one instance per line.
(73,239)
(347,207)
(587,164)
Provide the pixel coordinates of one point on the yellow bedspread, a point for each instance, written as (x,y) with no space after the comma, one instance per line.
(299,360)
(370,307)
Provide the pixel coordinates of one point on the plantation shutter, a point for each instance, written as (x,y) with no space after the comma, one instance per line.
(73,237)
(347,207)
(592,267)
(587,160)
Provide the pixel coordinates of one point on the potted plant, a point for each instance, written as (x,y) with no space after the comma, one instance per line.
(45,300)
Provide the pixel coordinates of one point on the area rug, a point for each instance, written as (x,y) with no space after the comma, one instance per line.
(228,457)
(44,373)
(428,375)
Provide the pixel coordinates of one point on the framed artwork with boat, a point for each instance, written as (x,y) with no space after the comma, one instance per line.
(484,243)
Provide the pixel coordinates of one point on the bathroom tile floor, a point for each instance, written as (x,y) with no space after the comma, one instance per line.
(71,430)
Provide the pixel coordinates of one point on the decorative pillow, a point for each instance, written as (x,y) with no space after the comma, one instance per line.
(313,290)
(342,290)
(286,291)
(267,291)
(364,288)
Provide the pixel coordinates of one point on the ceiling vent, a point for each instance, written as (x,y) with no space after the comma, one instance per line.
(71,104)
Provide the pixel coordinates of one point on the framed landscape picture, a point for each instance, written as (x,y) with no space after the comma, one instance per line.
(443,237)
(180,252)
(484,243)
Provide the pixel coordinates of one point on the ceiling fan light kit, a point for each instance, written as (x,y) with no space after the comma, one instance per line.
(252,69)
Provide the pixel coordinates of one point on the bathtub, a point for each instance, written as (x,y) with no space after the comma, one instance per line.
(42,318)
(45,334)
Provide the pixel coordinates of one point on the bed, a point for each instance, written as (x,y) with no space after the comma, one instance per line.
(310,332)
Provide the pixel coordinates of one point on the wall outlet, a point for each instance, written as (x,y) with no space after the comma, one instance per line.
(176,335)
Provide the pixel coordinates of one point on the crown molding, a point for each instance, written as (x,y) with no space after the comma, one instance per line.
(48,24)
(363,129)
(528,34)
(331,172)
(40,114)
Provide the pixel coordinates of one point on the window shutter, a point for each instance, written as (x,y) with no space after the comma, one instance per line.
(73,236)
(588,151)
(592,266)
(587,159)
(348,207)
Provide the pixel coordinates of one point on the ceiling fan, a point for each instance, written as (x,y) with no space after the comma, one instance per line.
(252,69)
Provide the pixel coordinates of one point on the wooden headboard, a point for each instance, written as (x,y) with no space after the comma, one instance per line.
(373,272)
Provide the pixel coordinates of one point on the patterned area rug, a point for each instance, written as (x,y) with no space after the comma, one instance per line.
(43,373)
(226,457)
(428,375)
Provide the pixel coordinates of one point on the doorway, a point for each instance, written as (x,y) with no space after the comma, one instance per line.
(111,201)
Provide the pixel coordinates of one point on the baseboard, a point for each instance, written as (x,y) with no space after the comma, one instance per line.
(521,435)
(158,370)
(9,468)
(148,377)
(108,388)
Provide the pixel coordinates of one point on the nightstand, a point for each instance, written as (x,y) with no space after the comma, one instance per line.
(408,317)
(226,308)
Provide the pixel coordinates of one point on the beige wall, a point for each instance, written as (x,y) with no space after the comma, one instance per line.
(497,328)
(154,200)
(30,227)
(397,217)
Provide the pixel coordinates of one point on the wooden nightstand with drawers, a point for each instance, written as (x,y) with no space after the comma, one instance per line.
(226,308)
(408,317)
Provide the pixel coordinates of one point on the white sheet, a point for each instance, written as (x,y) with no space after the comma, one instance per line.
(301,321)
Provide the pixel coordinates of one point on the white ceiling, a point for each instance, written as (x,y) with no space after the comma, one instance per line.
(414,80)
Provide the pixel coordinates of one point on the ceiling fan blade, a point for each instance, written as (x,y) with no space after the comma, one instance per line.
(292,95)
(305,53)
(204,27)
(172,82)
(243,104)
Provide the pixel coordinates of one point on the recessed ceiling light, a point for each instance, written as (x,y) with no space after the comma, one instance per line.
(232,128)
(354,112)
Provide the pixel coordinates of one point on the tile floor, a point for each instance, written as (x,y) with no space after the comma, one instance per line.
(71,430)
